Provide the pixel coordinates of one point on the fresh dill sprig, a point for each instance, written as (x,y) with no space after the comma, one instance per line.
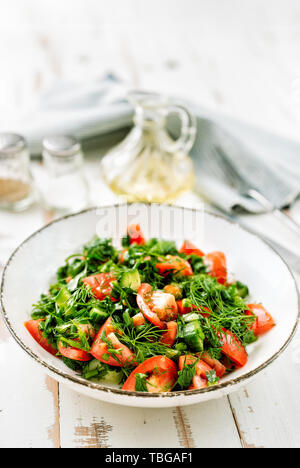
(227,308)
(145,342)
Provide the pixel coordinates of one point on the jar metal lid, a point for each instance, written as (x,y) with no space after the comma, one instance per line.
(62,145)
(11,143)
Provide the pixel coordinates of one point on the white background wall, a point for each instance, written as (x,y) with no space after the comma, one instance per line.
(240,57)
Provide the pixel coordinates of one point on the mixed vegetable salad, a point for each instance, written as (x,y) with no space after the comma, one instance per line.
(150,318)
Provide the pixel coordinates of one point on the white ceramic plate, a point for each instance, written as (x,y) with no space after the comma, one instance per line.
(33,266)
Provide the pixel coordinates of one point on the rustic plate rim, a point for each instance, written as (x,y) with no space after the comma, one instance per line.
(102,388)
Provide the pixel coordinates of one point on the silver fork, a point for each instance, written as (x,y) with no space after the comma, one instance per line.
(235,179)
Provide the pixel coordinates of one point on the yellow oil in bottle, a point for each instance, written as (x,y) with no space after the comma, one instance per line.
(148,166)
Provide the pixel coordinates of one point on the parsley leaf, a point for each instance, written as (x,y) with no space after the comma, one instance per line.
(212,378)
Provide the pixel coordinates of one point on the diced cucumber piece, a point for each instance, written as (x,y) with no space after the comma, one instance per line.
(181,347)
(112,377)
(99,372)
(62,300)
(98,315)
(242,289)
(193,335)
(190,317)
(172,353)
(187,303)
(63,297)
(131,279)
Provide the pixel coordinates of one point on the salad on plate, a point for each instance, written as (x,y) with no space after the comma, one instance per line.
(149,318)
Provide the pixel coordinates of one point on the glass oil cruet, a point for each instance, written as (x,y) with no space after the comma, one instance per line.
(149,165)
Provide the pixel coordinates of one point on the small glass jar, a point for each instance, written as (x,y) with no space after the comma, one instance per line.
(16,189)
(64,187)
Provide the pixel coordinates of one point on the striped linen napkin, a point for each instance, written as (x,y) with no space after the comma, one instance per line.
(98,108)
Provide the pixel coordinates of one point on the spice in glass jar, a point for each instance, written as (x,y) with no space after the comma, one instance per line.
(16,191)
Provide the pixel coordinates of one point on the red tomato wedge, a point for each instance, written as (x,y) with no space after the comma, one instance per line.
(135,235)
(174,265)
(144,302)
(217,265)
(99,349)
(164,305)
(264,321)
(74,353)
(33,326)
(162,375)
(190,249)
(233,349)
(156,306)
(168,338)
(101,285)
(88,329)
(214,364)
(198,383)
(182,310)
(201,366)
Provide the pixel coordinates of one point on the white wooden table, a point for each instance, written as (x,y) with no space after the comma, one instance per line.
(240,58)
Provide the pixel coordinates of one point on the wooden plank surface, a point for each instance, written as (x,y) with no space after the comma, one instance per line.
(267,411)
(29,409)
(240,58)
(87,423)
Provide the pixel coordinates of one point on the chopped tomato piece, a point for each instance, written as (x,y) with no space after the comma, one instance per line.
(74,353)
(156,306)
(198,383)
(228,364)
(232,348)
(175,265)
(144,302)
(201,366)
(101,285)
(264,321)
(88,329)
(182,309)
(69,279)
(164,305)
(33,326)
(124,355)
(190,249)
(161,372)
(138,320)
(214,364)
(217,265)
(173,289)
(135,235)
(168,338)
(100,349)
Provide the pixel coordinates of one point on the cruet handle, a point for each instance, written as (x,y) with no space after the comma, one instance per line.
(187,136)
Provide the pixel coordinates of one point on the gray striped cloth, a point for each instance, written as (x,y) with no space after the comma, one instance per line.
(99,108)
